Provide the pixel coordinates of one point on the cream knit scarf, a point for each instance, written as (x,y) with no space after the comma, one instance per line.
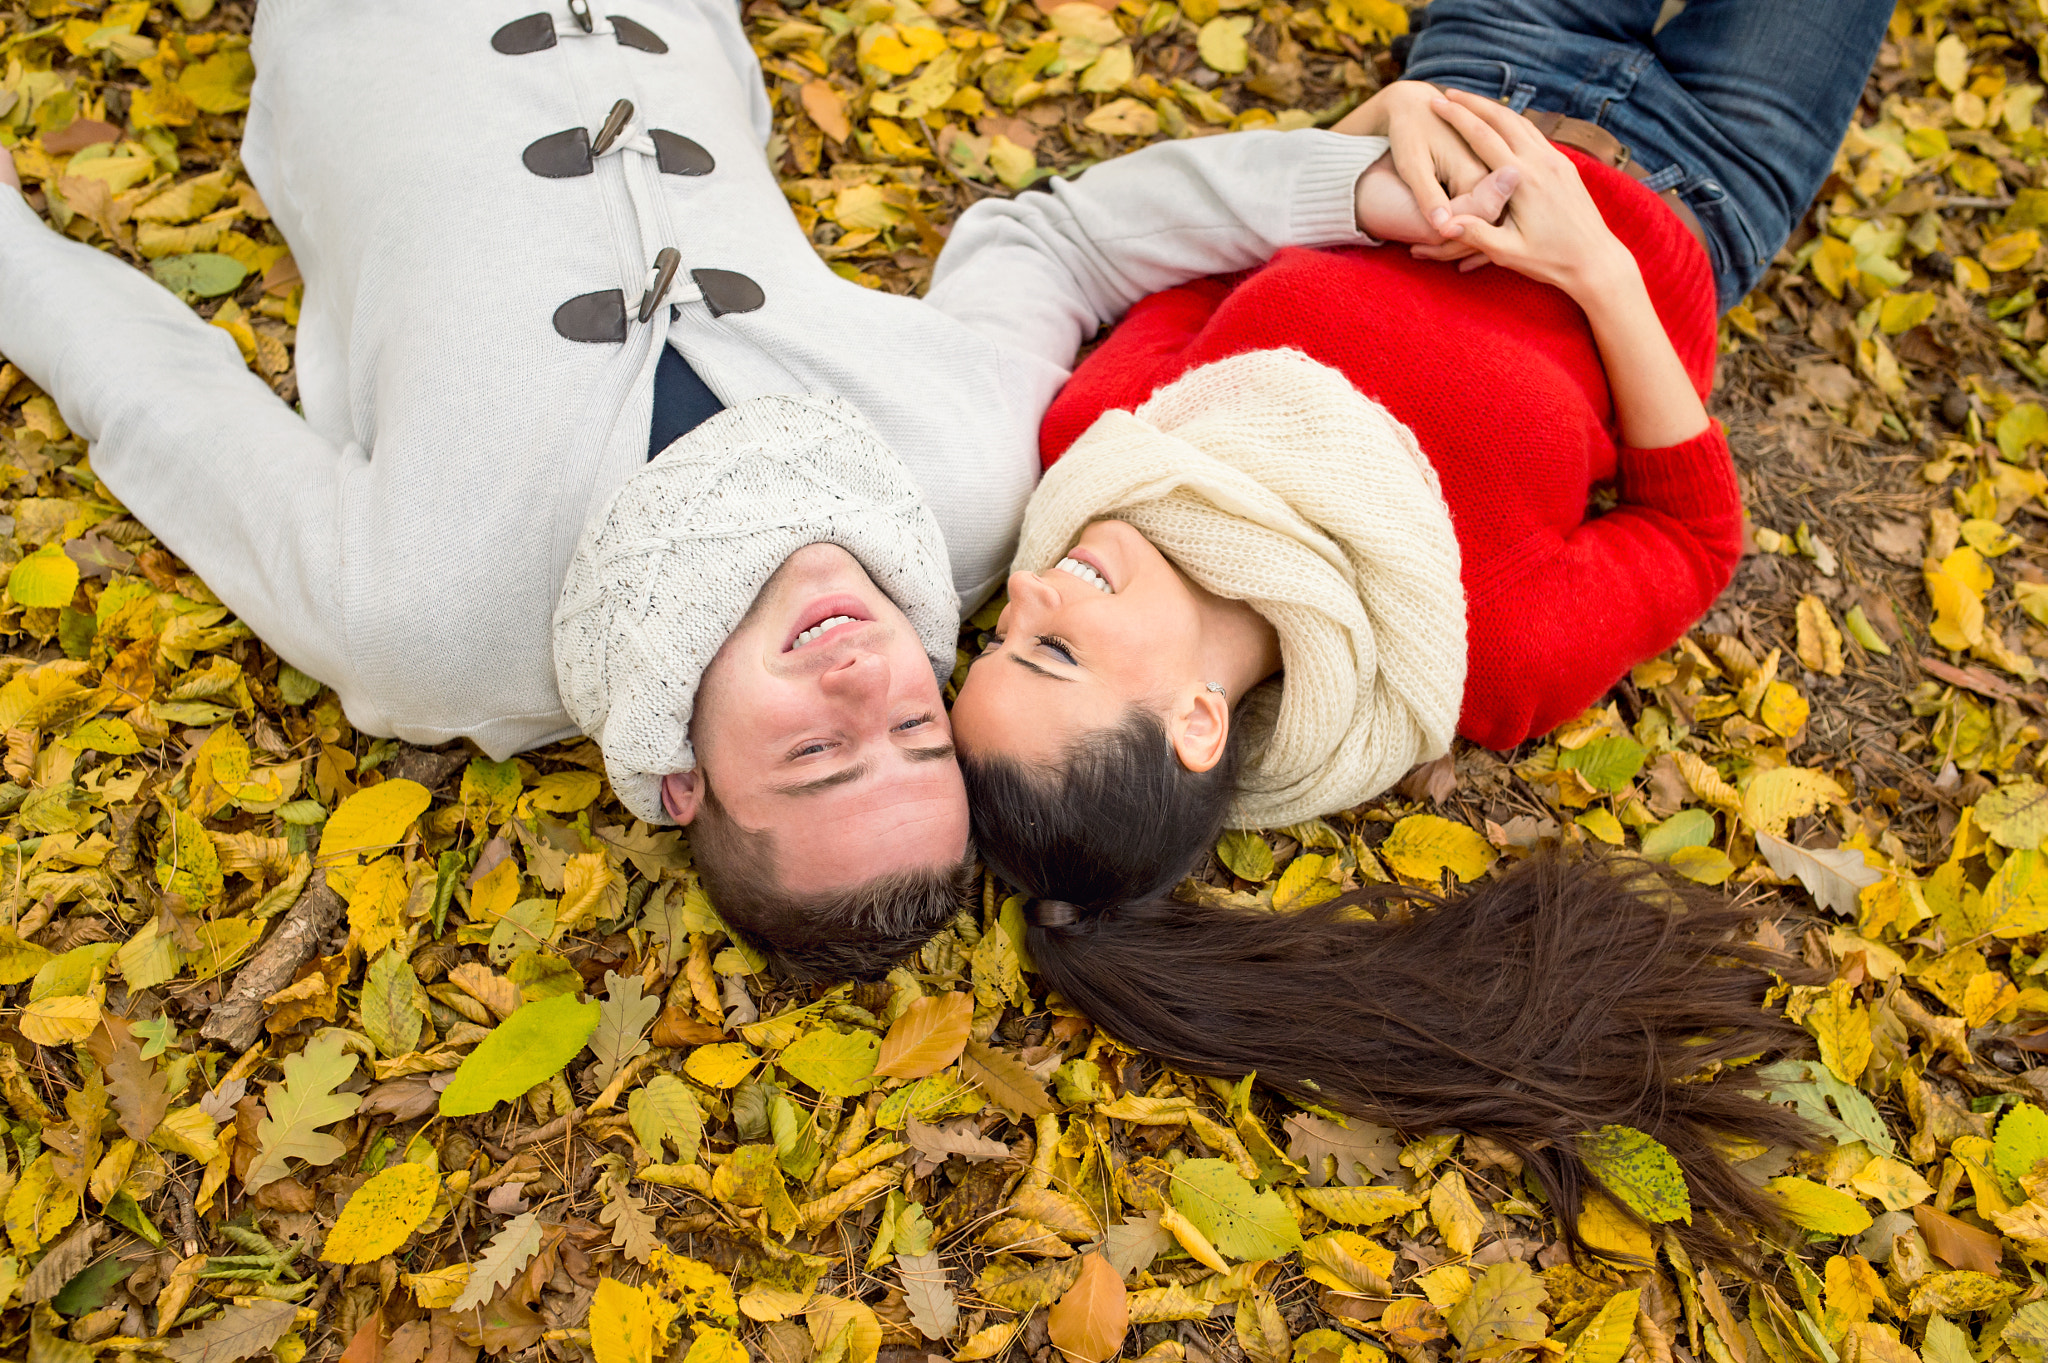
(671,564)
(1268,478)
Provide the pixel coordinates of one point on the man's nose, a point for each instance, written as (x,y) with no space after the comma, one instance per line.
(860,678)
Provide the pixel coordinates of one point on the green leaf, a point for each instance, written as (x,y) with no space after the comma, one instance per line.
(1817,1207)
(622,1022)
(1608,763)
(1505,1304)
(665,1109)
(205,274)
(1246,854)
(527,926)
(295,686)
(528,1048)
(1808,1086)
(1238,1219)
(45,578)
(2022,1142)
(1686,828)
(299,1105)
(1639,1171)
(836,1064)
(390,1019)
(92,1287)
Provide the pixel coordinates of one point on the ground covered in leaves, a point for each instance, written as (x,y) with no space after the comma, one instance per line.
(315,1043)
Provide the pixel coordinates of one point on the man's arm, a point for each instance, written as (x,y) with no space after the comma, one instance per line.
(1041,272)
(196,446)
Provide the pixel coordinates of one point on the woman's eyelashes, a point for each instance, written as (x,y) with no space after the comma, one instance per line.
(1059,647)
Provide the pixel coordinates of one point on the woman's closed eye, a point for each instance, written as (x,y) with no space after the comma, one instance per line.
(1052,643)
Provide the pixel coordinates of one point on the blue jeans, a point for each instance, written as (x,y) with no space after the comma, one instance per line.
(1739,105)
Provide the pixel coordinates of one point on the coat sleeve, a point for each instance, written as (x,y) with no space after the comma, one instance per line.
(197,447)
(1546,643)
(1040,273)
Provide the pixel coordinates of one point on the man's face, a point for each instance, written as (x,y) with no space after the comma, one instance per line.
(820,722)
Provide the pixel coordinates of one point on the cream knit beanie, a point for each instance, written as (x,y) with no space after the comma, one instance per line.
(1269,479)
(670,566)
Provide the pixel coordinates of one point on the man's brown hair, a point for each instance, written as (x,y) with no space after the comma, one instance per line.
(855,933)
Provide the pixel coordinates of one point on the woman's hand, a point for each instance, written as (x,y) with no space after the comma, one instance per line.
(1553,231)
(1428,153)
(8,177)
(1387,209)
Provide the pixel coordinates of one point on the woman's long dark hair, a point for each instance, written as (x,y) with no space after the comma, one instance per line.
(1559,997)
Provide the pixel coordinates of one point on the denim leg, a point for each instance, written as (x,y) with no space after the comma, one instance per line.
(1739,105)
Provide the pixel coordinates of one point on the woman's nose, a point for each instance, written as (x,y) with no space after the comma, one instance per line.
(1031,591)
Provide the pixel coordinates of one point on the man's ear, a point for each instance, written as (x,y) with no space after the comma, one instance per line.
(1200,730)
(682,794)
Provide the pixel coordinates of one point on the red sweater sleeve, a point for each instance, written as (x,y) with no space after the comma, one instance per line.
(1548,641)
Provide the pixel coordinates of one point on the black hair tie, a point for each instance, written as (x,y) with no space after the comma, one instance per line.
(1051,913)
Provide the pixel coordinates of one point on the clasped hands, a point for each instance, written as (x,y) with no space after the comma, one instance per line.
(1469,180)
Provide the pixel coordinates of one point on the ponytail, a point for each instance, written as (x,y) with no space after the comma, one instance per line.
(1556,999)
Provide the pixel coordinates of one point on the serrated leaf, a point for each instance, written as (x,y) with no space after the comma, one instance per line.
(1833,876)
(1641,1172)
(299,1105)
(1239,1220)
(1246,854)
(510,1250)
(390,1017)
(928,1037)
(1423,846)
(1004,1080)
(238,1332)
(929,1296)
(1358,1150)
(134,1086)
(382,1214)
(1607,763)
(1810,1088)
(1504,1305)
(664,1109)
(374,818)
(1359,1206)
(529,1047)
(2022,1142)
(837,1064)
(622,1022)
(1455,1215)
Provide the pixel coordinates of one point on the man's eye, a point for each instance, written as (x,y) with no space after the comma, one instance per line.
(809,748)
(1059,646)
(910,724)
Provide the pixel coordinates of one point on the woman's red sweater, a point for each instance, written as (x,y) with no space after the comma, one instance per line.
(1499,378)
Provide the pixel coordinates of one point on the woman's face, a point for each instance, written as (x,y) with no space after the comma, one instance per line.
(1114,624)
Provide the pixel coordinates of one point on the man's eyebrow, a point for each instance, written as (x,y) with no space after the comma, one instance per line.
(938,754)
(1025,662)
(837,778)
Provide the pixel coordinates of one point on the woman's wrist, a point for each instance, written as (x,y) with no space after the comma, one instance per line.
(1605,279)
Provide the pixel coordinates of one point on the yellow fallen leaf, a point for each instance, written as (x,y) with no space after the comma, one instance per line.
(382,1214)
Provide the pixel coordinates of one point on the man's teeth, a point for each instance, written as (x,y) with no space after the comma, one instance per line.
(1085,573)
(815,630)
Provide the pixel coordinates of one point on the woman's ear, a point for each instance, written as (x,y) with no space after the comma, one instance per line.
(1200,729)
(682,793)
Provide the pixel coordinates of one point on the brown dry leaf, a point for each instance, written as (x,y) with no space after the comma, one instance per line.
(1088,1323)
(928,1037)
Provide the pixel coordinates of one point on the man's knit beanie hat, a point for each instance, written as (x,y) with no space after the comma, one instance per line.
(669,568)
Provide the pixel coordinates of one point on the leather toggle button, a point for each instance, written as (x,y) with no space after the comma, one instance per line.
(614,123)
(678,155)
(595,317)
(728,291)
(580,11)
(637,36)
(559,156)
(665,262)
(534,33)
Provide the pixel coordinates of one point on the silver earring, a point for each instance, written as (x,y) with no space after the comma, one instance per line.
(1217,687)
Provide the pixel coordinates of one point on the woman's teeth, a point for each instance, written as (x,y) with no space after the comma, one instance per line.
(815,630)
(1085,573)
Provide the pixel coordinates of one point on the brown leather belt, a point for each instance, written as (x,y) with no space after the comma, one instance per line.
(1604,147)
